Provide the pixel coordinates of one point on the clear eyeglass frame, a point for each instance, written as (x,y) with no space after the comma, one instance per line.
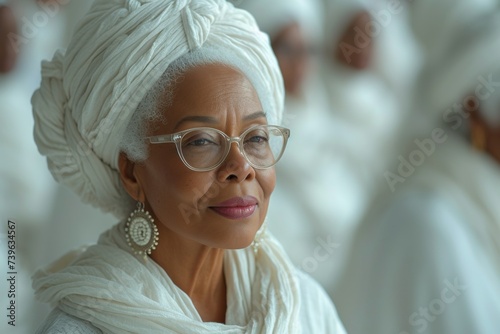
(178,136)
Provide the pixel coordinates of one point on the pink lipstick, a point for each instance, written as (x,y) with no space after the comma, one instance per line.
(236,207)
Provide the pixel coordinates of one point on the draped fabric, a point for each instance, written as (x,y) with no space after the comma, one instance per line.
(119,51)
(120,293)
(427,255)
(477,197)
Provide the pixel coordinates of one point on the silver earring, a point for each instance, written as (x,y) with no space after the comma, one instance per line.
(141,232)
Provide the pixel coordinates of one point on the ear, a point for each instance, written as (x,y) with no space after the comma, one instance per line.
(128,175)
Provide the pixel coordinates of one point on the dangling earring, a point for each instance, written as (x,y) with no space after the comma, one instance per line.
(141,232)
(478,137)
(259,236)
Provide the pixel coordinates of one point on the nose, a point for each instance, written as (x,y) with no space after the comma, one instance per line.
(236,167)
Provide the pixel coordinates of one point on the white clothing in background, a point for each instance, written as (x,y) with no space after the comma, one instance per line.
(341,135)
(429,262)
(28,192)
(319,196)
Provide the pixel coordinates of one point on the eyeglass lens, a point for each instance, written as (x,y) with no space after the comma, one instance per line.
(206,148)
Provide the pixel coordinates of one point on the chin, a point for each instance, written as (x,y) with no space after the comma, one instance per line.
(239,236)
(240,244)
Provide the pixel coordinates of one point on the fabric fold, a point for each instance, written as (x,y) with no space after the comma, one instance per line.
(119,292)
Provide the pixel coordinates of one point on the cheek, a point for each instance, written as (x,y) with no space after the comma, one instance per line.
(170,188)
(267,181)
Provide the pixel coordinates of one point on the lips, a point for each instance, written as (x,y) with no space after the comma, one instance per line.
(236,207)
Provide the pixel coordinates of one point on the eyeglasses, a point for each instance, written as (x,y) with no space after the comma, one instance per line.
(204,149)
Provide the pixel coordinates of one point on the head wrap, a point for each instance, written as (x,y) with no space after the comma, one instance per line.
(338,15)
(272,16)
(119,51)
(468,65)
(435,22)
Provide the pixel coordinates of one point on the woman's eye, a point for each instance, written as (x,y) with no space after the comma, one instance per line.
(200,142)
(257,139)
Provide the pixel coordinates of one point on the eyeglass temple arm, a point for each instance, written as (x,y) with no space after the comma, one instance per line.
(161,139)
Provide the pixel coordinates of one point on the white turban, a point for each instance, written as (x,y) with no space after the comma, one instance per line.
(273,16)
(435,22)
(120,50)
(338,14)
(469,62)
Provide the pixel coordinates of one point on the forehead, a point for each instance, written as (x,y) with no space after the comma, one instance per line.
(212,90)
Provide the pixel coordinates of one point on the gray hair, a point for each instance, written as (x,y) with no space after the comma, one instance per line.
(160,96)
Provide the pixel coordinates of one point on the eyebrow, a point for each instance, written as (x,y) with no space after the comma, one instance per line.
(255,115)
(213,120)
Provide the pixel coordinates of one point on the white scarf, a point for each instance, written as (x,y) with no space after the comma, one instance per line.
(120,293)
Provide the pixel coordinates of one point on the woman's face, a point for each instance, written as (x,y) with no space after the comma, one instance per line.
(351,50)
(293,53)
(8,54)
(194,205)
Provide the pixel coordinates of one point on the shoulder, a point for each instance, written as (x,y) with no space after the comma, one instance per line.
(317,312)
(60,322)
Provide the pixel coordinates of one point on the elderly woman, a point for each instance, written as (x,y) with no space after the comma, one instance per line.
(427,258)
(171,107)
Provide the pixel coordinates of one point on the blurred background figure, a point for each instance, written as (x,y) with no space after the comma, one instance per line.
(342,113)
(8,25)
(31,31)
(87,222)
(426,258)
(370,64)
(26,189)
(312,196)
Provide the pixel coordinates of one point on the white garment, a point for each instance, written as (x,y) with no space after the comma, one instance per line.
(24,179)
(397,57)
(429,262)
(118,292)
(341,136)
(60,322)
(319,194)
(26,186)
(369,115)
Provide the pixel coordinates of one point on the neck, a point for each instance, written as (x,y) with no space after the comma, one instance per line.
(197,270)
